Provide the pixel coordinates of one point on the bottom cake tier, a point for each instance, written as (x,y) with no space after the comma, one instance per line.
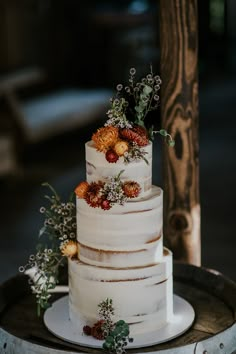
(143,297)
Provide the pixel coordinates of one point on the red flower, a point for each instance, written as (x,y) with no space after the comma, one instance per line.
(140,130)
(136,136)
(106,205)
(111,156)
(87,330)
(93,196)
(97,331)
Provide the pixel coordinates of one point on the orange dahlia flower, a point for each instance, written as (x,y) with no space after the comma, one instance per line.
(105,138)
(131,189)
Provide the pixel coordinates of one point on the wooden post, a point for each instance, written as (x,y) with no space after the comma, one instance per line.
(179,111)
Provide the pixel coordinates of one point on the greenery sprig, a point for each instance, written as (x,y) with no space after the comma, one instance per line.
(106,314)
(60,218)
(135,100)
(164,133)
(57,240)
(116,334)
(132,104)
(135,153)
(118,338)
(117,113)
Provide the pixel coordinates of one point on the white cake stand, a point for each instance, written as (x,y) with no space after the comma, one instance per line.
(57,321)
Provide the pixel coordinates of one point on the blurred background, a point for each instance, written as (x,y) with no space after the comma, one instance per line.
(60,61)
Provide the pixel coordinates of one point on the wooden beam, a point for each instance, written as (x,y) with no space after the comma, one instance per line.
(179,111)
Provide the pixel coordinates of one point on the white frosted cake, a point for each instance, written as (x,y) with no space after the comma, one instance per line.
(121,254)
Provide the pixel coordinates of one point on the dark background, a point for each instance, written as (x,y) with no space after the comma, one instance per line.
(92,44)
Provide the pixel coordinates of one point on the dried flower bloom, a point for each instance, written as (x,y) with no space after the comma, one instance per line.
(134,136)
(81,189)
(97,331)
(69,248)
(131,189)
(105,138)
(94,194)
(132,71)
(111,156)
(113,192)
(121,147)
(119,87)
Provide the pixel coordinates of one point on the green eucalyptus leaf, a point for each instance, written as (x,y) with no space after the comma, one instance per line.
(125,332)
(163,132)
(42,231)
(120,323)
(171,143)
(150,133)
(116,331)
(147,90)
(140,123)
(109,339)
(106,346)
(138,109)
(143,105)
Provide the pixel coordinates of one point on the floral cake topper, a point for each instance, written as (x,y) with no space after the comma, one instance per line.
(124,133)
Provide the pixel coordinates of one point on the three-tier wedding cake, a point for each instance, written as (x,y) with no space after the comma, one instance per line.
(113,235)
(121,254)
(119,220)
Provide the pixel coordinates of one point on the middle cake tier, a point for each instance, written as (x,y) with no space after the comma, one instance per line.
(108,240)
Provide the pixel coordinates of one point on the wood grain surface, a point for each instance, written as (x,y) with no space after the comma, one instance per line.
(179,112)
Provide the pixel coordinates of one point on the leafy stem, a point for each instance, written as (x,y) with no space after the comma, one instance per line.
(59,232)
(165,134)
(118,338)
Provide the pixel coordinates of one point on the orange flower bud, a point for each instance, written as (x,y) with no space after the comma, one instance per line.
(121,147)
(69,249)
(81,189)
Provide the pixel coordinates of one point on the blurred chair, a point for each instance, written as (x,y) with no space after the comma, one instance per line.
(46,115)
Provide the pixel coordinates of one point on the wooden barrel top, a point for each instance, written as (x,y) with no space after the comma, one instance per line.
(211,294)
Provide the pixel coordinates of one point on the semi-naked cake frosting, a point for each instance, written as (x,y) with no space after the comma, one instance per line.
(121,254)
(98,168)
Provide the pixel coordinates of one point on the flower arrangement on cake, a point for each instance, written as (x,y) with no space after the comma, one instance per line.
(124,133)
(106,194)
(115,334)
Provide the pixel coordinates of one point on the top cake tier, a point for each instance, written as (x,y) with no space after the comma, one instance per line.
(98,168)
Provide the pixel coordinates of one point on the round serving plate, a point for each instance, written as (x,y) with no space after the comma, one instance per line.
(57,321)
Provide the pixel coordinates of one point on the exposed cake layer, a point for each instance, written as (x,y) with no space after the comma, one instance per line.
(149,254)
(98,168)
(142,296)
(109,237)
